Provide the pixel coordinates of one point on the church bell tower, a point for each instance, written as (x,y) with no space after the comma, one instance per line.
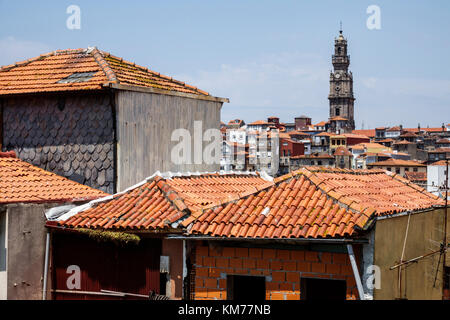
(341,89)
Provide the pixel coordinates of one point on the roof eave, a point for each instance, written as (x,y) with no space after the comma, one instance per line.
(119,86)
(284,240)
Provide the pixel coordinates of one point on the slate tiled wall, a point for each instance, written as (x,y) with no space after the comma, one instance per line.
(71,136)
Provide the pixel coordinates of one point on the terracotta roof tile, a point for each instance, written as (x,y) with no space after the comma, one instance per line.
(302,205)
(159,202)
(51,72)
(23,182)
(396,162)
(312,202)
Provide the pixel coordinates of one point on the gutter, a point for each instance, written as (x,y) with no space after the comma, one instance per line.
(282,240)
(47,249)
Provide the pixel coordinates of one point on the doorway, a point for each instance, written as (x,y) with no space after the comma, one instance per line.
(246,288)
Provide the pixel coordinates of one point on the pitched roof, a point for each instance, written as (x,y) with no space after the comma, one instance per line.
(312,202)
(416,176)
(157,202)
(342,151)
(403,142)
(313,156)
(259,122)
(369,132)
(338,118)
(397,162)
(82,69)
(23,182)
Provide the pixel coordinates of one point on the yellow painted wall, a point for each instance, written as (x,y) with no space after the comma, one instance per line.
(424,235)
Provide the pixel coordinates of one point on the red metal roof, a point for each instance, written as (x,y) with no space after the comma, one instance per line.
(23,182)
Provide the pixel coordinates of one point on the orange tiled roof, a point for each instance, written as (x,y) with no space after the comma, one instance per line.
(369,132)
(338,118)
(342,151)
(158,202)
(397,162)
(312,203)
(82,69)
(259,122)
(439,163)
(416,176)
(314,156)
(23,182)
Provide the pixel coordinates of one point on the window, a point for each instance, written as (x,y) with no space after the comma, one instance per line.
(246,288)
(415,169)
(322,289)
(406,169)
(389,169)
(338,112)
(319,162)
(397,170)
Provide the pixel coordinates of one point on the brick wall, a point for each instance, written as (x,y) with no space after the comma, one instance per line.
(283,270)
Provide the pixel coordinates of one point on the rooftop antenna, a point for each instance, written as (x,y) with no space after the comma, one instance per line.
(340,27)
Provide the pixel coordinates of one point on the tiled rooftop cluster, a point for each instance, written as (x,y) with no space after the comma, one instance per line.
(159,202)
(308,203)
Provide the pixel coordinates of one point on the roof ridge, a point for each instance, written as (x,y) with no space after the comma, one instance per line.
(104,65)
(170,194)
(157,74)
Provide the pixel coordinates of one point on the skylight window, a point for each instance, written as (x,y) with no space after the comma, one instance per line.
(77,77)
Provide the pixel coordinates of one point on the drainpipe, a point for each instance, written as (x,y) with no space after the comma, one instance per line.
(184,270)
(47,249)
(355,271)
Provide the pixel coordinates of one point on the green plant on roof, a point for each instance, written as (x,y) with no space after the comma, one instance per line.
(119,238)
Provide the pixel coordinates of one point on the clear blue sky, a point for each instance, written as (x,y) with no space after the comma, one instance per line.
(268,57)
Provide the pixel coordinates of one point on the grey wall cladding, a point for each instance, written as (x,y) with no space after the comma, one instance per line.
(72,135)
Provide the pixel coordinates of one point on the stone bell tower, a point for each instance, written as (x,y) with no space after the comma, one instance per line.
(341,89)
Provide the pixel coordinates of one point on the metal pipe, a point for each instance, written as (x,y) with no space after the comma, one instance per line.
(47,249)
(355,272)
(184,268)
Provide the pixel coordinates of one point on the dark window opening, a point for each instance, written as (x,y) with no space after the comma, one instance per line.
(446,278)
(246,288)
(323,289)
(338,112)
(77,77)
